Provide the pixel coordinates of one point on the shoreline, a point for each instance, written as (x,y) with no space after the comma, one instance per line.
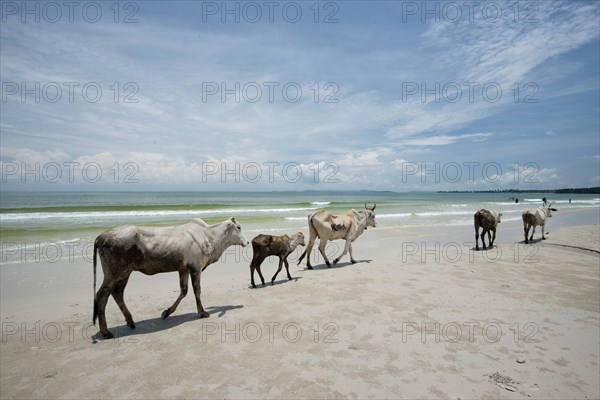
(23,280)
(420,315)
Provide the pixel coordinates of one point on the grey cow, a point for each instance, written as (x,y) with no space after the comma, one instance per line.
(187,249)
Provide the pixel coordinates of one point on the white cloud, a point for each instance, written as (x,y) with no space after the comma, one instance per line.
(373,127)
(31,157)
(443,140)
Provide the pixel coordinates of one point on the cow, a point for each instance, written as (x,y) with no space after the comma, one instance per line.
(327,226)
(537,217)
(187,249)
(264,246)
(488,221)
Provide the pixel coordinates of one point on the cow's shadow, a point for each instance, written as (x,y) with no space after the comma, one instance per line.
(340,264)
(533,241)
(277,282)
(153,325)
(487,248)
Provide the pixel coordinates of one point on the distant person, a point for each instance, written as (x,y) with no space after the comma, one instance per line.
(569,201)
(516,200)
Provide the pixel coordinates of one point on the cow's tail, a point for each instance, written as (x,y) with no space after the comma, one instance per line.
(95,299)
(312,234)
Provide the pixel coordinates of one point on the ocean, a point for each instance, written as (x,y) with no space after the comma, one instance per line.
(57,225)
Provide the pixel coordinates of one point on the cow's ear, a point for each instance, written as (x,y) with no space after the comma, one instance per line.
(553,209)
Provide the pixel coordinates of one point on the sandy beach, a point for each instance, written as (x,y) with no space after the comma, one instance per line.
(421,315)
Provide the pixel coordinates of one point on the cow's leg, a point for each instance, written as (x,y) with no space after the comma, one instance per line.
(346,249)
(526,232)
(532,232)
(183,286)
(252,268)
(118,291)
(278,270)
(352,260)
(543,229)
(483,232)
(287,268)
(258,269)
(476,239)
(490,241)
(493,237)
(255,265)
(322,244)
(196,286)
(307,251)
(100,306)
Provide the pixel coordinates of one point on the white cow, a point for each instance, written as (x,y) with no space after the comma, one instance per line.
(327,226)
(187,249)
(537,217)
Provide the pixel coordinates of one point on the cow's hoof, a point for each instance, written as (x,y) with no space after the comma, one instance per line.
(165,314)
(254,286)
(476,248)
(328,264)
(309,267)
(203,314)
(543,238)
(272,282)
(289,278)
(353,261)
(131,325)
(108,335)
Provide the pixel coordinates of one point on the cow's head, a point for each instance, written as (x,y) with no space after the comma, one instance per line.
(370,214)
(234,230)
(300,239)
(549,210)
(498,216)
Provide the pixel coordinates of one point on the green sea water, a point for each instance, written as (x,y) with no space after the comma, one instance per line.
(46,219)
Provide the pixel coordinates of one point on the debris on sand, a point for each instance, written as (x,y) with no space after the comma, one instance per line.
(503,381)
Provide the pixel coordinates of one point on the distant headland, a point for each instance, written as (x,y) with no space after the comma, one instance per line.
(590,190)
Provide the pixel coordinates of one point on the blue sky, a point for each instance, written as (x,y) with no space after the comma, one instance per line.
(332,95)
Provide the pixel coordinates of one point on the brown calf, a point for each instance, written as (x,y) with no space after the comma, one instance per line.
(268,245)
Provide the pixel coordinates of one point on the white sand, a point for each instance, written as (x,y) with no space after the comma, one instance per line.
(420,316)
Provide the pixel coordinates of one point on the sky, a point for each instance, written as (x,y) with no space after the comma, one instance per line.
(304,95)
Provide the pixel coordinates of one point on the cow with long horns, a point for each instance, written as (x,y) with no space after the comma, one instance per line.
(328,226)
